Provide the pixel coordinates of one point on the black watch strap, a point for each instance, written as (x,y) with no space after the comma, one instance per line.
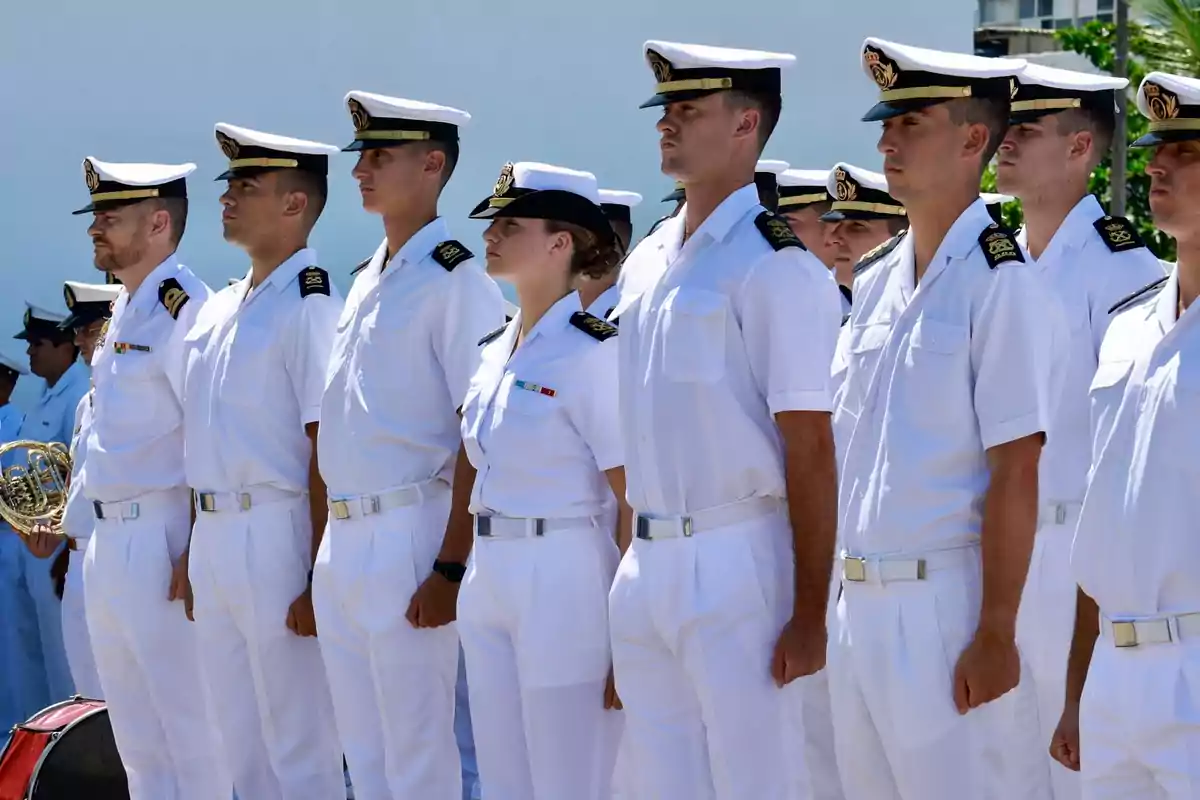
(450,571)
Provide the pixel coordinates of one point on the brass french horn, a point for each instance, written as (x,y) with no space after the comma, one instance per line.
(35,491)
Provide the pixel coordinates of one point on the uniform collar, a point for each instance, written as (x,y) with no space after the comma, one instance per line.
(960,240)
(284,274)
(1078,221)
(557,317)
(147,294)
(75,373)
(729,213)
(1166,305)
(421,243)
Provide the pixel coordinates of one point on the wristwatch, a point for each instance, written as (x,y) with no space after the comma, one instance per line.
(450,571)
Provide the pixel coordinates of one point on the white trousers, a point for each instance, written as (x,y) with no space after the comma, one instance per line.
(533,617)
(76,639)
(392,684)
(1139,723)
(1030,713)
(898,734)
(694,625)
(269,692)
(146,654)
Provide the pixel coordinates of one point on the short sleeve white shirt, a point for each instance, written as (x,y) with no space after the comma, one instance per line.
(136,440)
(939,372)
(718,334)
(541,427)
(256,365)
(405,348)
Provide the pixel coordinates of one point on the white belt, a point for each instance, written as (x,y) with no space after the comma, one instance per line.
(1057,513)
(652,526)
(128,510)
(890,569)
(1136,632)
(492,526)
(365,505)
(215,502)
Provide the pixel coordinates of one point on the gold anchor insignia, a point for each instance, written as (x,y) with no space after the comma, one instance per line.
(846,190)
(1000,246)
(504,182)
(1117,233)
(358,115)
(69,296)
(779,229)
(1162,103)
(449,251)
(28,317)
(90,176)
(883,70)
(228,146)
(660,66)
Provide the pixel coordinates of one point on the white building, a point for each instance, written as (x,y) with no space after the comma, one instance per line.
(1044,14)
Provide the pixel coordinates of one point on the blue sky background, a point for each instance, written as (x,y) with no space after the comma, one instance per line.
(545,80)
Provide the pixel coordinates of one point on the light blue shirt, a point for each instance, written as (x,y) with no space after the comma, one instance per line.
(53,419)
(11,420)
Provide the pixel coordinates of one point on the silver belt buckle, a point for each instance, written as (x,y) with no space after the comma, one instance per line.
(483,526)
(686,523)
(340,509)
(854,569)
(135,511)
(1124,634)
(641,527)
(371,505)
(539,527)
(208,502)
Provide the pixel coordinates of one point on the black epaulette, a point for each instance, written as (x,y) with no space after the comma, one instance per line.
(361,266)
(593,326)
(846,293)
(172,296)
(314,280)
(1118,234)
(1128,300)
(871,256)
(450,254)
(776,231)
(1000,246)
(845,319)
(494,335)
(658,223)
(608,317)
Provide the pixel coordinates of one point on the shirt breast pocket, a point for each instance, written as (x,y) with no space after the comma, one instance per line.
(694,336)
(937,367)
(254,366)
(137,395)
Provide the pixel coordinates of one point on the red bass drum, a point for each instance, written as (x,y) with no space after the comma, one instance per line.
(64,752)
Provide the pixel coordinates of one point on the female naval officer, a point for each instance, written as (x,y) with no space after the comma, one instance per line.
(540,427)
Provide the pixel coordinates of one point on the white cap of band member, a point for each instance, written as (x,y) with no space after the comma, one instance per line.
(382,121)
(616,204)
(1043,90)
(689,71)
(113,185)
(802,187)
(251,152)
(87,302)
(911,78)
(860,194)
(12,365)
(1172,104)
(41,323)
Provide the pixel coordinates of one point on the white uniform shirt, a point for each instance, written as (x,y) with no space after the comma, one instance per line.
(406,346)
(53,418)
(542,426)
(136,441)
(938,373)
(604,305)
(1136,550)
(1088,277)
(79,519)
(255,375)
(718,334)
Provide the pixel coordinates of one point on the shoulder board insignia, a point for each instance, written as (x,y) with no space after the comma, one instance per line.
(361,266)
(494,335)
(846,293)
(314,280)
(1118,233)
(776,231)
(871,256)
(450,254)
(172,296)
(593,326)
(1000,246)
(1145,291)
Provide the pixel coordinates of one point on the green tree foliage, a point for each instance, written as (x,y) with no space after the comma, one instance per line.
(1150,49)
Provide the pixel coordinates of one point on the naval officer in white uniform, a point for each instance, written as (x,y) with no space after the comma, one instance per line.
(385,584)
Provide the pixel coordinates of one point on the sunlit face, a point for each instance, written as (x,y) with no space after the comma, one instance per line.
(851,239)
(1033,154)
(696,134)
(386,176)
(251,206)
(47,358)
(518,249)
(87,337)
(807,225)
(1174,172)
(120,236)
(915,148)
